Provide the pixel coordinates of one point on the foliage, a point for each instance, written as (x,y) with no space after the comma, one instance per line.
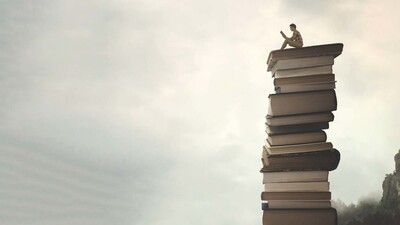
(369,213)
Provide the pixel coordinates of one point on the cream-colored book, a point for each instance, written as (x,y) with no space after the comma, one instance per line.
(295,176)
(296,186)
(303,63)
(296,148)
(305,87)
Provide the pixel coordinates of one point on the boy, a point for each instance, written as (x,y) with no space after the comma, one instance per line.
(295,41)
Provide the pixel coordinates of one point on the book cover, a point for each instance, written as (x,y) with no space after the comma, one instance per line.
(321,160)
(299,216)
(302,103)
(315,195)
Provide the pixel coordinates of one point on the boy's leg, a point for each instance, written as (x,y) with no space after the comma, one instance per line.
(295,44)
(285,43)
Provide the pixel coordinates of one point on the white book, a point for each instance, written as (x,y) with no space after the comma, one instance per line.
(278,204)
(305,87)
(299,119)
(297,187)
(295,176)
(299,72)
(303,63)
(296,148)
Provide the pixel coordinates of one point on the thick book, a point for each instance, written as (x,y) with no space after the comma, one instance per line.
(299,72)
(299,119)
(297,138)
(305,52)
(304,80)
(305,87)
(303,63)
(300,217)
(296,128)
(295,176)
(297,148)
(293,196)
(297,186)
(297,204)
(321,160)
(302,103)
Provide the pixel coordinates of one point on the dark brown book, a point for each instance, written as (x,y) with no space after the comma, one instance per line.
(297,128)
(302,103)
(320,160)
(299,119)
(311,51)
(297,138)
(304,80)
(298,204)
(298,63)
(305,87)
(300,216)
(268,196)
(299,72)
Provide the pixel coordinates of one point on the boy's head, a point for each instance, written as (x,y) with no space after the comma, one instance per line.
(292,27)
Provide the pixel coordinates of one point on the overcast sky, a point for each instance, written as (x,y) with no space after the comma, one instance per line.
(152,112)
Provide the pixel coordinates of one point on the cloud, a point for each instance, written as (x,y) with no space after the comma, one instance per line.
(153,112)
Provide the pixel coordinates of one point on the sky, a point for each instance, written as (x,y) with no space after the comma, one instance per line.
(152,112)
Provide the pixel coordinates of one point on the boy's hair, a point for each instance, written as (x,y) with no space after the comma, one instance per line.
(293,25)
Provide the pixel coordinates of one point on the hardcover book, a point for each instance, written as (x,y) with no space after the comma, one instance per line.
(299,72)
(297,148)
(322,160)
(297,138)
(302,103)
(310,51)
(297,186)
(295,176)
(299,119)
(323,195)
(300,216)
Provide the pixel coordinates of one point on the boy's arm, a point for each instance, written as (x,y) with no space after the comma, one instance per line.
(293,36)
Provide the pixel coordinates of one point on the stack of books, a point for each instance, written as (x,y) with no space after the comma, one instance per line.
(296,156)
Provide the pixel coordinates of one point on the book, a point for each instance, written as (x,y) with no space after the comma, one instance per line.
(302,103)
(299,72)
(296,128)
(297,138)
(310,51)
(300,216)
(305,87)
(297,204)
(295,176)
(303,63)
(304,80)
(321,160)
(297,186)
(297,148)
(299,119)
(323,195)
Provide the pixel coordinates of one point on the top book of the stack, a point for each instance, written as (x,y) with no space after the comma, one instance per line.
(333,50)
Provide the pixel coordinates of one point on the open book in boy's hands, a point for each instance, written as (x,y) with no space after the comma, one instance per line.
(283,34)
